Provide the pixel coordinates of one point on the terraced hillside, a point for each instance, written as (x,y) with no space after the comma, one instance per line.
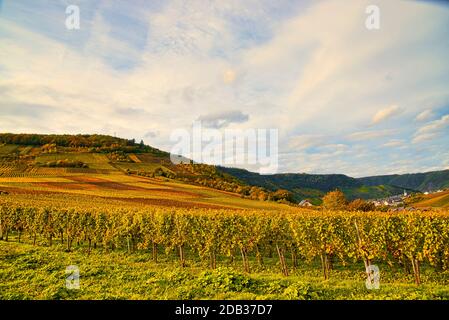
(132,180)
(438,199)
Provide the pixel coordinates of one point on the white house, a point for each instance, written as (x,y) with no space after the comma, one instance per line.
(305,203)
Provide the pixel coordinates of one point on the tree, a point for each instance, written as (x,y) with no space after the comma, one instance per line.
(334,200)
(282,194)
(360,205)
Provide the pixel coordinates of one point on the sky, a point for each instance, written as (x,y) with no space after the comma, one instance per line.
(344,98)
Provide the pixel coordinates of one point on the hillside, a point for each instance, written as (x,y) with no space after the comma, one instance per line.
(438,199)
(314,186)
(102,169)
(428,181)
(323,182)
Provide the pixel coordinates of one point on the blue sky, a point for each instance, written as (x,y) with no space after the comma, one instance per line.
(344,98)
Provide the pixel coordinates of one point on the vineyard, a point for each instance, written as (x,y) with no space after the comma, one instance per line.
(405,240)
(140,227)
(24,171)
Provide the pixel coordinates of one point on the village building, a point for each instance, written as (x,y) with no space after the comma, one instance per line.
(305,203)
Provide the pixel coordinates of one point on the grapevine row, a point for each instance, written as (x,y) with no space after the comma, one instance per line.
(408,239)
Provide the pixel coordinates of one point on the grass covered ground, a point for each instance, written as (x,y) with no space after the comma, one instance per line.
(29,272)
(439,199)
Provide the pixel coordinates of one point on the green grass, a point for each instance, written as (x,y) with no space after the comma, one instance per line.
(93,160)
(7,149)
(442,202)
(25,150)
(147,167)
(435,200)
(371,192)
(28,272)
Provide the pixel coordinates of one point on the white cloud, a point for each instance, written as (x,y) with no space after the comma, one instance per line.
(386,113)
(431,130)
(435,125)
(306,141)
(370,135)
(425,115)
(424,137)
(394,143)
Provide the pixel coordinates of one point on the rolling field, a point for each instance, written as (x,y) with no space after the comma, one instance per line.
(104,179)
(93,160)
(138,166)
(117,186)
(439,199)
(8,149)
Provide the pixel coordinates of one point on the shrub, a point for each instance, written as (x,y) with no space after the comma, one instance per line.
(334,200)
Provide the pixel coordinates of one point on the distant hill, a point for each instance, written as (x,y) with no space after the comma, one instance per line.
(438,199)
(314,186)
(428,181)
(323,182)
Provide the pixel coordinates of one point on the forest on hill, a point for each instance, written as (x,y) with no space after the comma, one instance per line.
(94,142)
(427,181)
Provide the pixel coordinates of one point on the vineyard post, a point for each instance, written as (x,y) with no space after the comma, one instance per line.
(244,259)
(366,259)
(213,260)
(323,257)
(181,255)
(282,260)
(416,271)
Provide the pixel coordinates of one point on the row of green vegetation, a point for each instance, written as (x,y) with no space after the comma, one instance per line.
(63,164)
(93,143)
(407,240)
